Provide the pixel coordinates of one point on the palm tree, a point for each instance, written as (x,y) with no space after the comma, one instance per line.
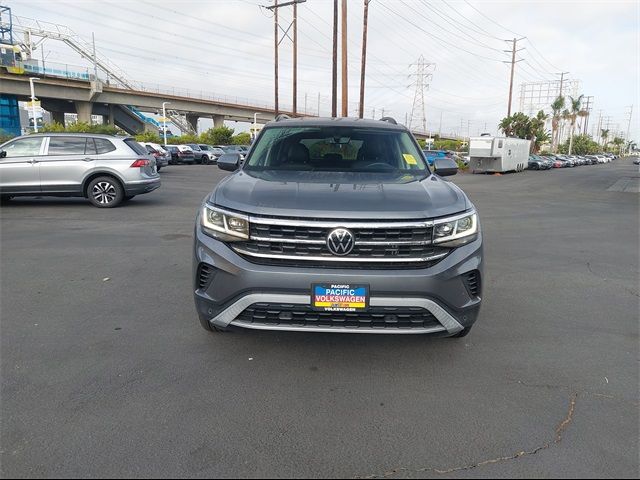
(506,125)
(604,133)
(576,107)
(538,134)
(565,116)
(556,108)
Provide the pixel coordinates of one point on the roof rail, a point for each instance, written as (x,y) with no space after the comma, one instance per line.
(282,116)
(389,120)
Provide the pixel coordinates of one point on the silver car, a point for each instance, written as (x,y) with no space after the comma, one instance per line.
(103,168)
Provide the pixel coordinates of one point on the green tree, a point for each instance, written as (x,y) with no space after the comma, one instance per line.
(556,108)
(576,107)
(582,145)
(81,127)
(530,128)
(618,145)
(218,136)
(243,138)
(150,137)
(604,133)
(444,144)
(5,137)
(183,139)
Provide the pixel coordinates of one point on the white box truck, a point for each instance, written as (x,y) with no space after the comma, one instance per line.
(498,154)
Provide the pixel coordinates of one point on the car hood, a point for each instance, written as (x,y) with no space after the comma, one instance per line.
(339,195)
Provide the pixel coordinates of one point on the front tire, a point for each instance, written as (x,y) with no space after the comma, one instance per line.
(105,192)
(205,160)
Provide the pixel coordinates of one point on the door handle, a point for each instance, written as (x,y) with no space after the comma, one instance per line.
(34,161)
(88,159)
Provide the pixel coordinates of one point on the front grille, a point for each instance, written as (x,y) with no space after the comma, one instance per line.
(376,244)
(277,314)
(472,281)
(204,276)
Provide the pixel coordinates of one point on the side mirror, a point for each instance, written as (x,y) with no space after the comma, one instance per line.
(229,162)
(3,154)
(445,167)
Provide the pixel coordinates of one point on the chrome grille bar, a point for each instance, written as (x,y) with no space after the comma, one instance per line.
(347,258)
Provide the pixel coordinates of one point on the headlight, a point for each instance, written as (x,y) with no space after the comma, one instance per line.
(224,225)
(456,231)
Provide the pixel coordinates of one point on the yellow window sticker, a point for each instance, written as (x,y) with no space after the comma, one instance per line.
(410,159)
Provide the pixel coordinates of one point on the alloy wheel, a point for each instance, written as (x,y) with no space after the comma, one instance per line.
(104,192)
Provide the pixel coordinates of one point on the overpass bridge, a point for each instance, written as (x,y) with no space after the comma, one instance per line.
(125,107)
(86,98)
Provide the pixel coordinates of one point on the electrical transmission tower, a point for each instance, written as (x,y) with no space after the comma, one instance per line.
(422,77)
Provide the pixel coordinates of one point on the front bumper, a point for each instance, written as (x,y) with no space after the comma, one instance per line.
(234,284)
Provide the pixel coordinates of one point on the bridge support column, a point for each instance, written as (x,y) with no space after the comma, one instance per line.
(218,121)
(193,121)
(83,109)
(58,117)
(111,118)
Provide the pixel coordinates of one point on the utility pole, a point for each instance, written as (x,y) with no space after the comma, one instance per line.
(514,50)
(586,118)
(599,130)
(630,113)
(440,127)
(318,104)
(364,57)
(95,62)
(295,58)
(275,61)
(562,74)
(345,77)
(334,71)
(276,42)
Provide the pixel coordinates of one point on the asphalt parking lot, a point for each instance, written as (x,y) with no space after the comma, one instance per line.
(107,372)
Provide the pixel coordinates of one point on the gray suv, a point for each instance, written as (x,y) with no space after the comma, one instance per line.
(337,225)
(105,169)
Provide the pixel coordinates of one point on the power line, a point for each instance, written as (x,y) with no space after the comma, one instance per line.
(439,40)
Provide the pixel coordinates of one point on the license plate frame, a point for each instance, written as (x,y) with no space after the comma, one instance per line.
(340,297)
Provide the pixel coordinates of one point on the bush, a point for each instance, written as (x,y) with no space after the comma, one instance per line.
(183,139)
(150,137)
(81,127)
(242,139)
(217,136)
(5,137)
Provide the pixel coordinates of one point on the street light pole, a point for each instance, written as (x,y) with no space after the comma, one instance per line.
(33,103)
(164,121)
(255,125)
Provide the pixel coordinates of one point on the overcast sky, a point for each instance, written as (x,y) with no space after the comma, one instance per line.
(225,47)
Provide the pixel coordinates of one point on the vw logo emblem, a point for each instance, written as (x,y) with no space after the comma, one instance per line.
(340,241)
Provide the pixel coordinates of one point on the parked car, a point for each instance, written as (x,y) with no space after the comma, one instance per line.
(234,149)
(161,156)
(555,163)
(602,159)
(103,168)
(207,154)
(431,155)
(215,153)
(279,247)
(180,154)
(186,154)
(537,163)
(566,160)
(200,155)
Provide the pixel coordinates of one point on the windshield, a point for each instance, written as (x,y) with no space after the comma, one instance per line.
(336,149)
